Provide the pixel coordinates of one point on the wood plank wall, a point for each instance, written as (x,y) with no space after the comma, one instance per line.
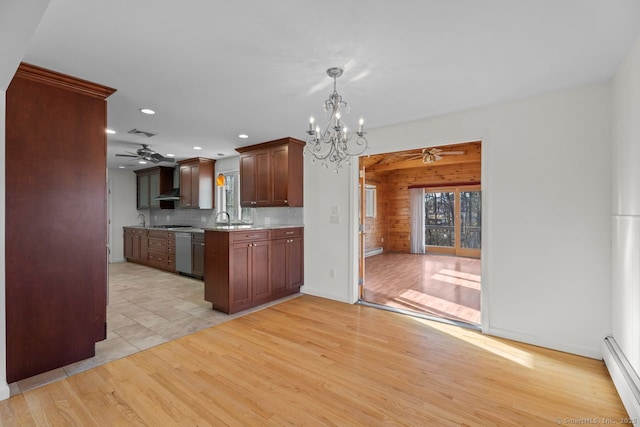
(399,227)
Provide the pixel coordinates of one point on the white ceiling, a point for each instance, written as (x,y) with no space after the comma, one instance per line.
(214,69)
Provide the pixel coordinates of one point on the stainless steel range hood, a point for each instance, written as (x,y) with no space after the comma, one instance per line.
(170,195)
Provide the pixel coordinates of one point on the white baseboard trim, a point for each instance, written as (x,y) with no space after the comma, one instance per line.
(311,292)
(624,378)
(593,353)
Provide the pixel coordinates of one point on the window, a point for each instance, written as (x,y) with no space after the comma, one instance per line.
(440,219)
(370,200)
(453,220)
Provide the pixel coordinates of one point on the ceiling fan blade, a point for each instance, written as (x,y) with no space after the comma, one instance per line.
(160,158)
(451,152)
(127,155)
(437,157)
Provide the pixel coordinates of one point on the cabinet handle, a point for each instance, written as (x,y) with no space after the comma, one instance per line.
(201,244)
(289,232)
(285,202)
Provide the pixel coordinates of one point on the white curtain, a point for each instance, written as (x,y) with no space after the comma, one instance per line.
(417,220)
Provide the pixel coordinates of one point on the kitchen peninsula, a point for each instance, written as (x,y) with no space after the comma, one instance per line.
(246,267)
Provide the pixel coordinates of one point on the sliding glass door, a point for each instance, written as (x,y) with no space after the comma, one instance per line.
(453,218)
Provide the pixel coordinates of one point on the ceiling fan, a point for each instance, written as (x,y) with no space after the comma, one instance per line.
(146,153)
(430,155)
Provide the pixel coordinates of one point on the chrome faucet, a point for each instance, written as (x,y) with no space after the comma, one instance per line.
(144,222)
(225,213)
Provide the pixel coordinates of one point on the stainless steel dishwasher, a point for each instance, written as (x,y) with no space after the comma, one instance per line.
(183,252)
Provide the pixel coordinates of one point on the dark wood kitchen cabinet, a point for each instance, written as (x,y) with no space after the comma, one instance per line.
(271,174)
(135,244)
(56,284)
(196,183)
(197,254)
(247,268)
(161,250)
(152,182)
(154,248)
(287,264)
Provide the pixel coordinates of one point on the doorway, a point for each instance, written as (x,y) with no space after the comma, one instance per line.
(443,280)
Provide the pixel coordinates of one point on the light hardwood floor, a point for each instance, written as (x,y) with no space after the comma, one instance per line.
(438,285)
(312,361)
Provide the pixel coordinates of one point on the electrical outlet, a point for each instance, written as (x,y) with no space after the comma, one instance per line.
(334,219)
(332,273)
(267,220)
(203,219)
(335,210)
(168,218)
(382,239)
(155,217)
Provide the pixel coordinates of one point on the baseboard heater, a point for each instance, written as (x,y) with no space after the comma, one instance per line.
(624,377)
(373,251)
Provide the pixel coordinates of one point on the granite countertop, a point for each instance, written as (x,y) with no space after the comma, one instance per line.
(220,228)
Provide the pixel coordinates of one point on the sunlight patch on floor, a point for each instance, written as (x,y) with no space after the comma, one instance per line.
(456,281)
(485,342)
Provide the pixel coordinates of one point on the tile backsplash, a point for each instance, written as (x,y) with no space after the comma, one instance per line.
(203,218)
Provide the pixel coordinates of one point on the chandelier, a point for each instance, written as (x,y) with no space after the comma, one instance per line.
(331,143)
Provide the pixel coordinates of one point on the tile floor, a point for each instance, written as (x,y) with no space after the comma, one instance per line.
(146,307)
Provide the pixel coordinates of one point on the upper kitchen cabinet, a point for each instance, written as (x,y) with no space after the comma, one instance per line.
(271,174)
(56,220)
(196,183)
(152,182)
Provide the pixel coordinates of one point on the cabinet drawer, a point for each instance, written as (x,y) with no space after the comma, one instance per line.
(197,237)
(157,244)
(279,233)
(162,234)
(157,258)
(137,231)
(248,235)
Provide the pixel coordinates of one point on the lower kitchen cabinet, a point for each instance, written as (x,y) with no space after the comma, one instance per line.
(197,254)
(287,248)
(241,266)
(135,244)
(155,248)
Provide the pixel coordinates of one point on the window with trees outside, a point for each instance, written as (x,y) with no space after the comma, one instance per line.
(453,219)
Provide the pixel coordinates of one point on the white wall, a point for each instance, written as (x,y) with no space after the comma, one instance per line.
(546,232)
(123,208)
(625,211)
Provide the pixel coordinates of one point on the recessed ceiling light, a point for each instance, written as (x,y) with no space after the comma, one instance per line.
(121,167)
(142,162)
(110,131)
(197,148)
(243,136)
(170,155)
(147,111)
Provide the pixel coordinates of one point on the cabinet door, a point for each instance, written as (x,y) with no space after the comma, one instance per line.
(136,247)
(154,190)
(185,186)
(240,278)
(280,167)
(295,262)
(195,186)
(247,180)
(264,191)
(261,283)
(128,244)
(279,265)
(143,192)
(197,258)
